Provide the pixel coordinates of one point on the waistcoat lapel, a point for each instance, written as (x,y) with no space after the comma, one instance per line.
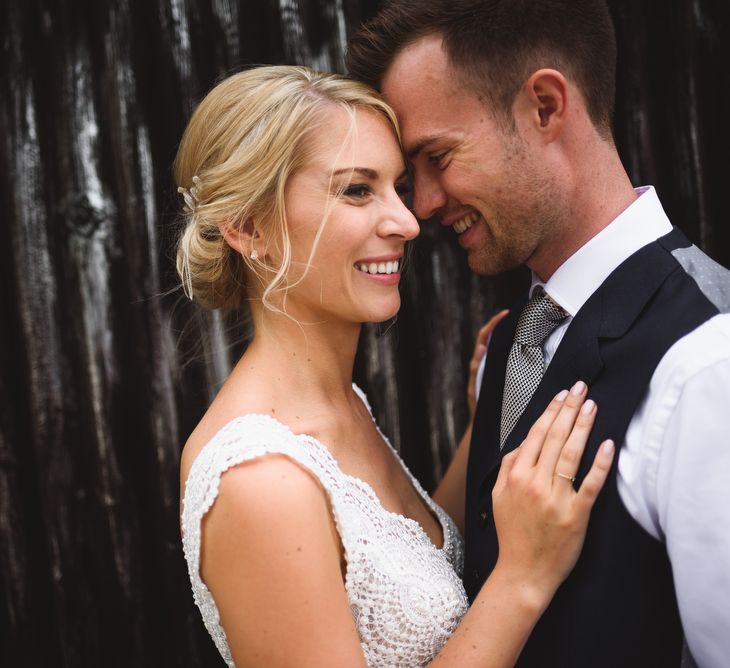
(607,314)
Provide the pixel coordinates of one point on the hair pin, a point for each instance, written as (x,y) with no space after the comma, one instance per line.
(191,195)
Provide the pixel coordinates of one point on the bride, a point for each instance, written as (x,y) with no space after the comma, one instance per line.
(308,541)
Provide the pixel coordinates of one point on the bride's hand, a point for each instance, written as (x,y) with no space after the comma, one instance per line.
(480,348)
(541,520)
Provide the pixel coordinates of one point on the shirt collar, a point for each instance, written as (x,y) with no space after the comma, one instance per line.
(642,222)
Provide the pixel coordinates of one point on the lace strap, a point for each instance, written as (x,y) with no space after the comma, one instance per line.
(363,397)
(444,520)
(241,440)
(414,481)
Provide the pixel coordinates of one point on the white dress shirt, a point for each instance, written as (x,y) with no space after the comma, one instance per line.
(674,466)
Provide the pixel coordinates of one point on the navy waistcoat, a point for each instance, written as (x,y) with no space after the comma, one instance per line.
(618,606)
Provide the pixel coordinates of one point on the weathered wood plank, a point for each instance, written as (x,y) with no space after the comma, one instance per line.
(105,370)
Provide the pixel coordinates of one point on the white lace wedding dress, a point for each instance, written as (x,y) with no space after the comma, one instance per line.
(405,594)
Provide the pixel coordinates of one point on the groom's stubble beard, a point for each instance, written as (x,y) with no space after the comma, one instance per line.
(523,218)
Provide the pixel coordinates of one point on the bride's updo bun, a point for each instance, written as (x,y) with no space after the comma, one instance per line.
(246,138)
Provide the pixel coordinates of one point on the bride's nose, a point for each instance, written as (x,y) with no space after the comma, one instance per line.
(398,220)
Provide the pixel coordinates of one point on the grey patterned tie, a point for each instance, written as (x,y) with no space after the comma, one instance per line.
(526,362)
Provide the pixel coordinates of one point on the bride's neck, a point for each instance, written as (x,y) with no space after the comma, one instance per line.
(313,360)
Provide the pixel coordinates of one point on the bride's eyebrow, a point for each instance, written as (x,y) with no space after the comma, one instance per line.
(364,171)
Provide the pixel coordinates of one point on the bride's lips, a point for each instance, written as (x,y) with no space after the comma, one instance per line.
(383,269)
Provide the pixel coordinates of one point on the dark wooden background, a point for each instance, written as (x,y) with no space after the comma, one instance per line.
(104,369)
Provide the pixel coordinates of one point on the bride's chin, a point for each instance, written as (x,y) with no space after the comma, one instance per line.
(384,315)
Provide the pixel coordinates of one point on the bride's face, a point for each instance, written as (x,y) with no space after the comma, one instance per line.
(360,178)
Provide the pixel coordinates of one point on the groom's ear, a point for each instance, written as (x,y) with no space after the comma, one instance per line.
(543,102)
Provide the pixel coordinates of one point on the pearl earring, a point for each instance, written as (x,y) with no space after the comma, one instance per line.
(254,255)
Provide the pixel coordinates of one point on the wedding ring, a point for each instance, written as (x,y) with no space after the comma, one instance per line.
(567,477)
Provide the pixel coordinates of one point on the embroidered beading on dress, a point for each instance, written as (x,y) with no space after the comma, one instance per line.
(405,594)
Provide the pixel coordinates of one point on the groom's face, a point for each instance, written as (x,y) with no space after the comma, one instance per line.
(472,172)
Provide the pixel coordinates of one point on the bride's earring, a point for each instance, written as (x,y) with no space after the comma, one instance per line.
(254,255)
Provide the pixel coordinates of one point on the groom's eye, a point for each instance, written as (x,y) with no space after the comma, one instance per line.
(403,189)
(436,159)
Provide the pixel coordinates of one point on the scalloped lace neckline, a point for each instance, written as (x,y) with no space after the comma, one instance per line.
(363,484)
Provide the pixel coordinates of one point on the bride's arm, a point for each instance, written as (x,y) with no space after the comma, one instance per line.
(450,493)
(541,523)
(271,557)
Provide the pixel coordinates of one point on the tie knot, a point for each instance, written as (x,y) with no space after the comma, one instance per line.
(540,316)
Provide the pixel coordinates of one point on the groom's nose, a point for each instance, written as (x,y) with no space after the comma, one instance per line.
(428,196)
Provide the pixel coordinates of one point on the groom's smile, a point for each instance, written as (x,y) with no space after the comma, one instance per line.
(468,227)
(473,171)
(463,223)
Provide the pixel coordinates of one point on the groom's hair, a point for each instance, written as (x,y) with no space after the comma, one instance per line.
(495,45)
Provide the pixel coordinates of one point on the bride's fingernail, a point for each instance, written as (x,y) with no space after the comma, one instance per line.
(560,396)
(607,448)
(578,388)
(588,407)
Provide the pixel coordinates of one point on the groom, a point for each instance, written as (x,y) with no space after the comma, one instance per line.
(506,111)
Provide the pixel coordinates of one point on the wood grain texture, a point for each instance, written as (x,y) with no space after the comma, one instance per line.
(105,368)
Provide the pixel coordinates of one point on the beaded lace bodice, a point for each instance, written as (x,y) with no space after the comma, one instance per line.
(405,594)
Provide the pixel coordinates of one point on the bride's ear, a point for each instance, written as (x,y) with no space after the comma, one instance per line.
(245,239)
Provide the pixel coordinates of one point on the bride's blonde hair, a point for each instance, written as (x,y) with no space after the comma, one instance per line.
(246,138)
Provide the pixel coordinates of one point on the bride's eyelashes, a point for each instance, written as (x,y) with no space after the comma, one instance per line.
(357,190)
(360,191)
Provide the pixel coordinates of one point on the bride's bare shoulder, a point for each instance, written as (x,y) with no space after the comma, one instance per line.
(230,403)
